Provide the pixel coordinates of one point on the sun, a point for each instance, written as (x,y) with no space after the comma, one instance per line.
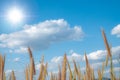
(15,15)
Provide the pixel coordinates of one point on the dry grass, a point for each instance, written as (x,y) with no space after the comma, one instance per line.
(62,74)
(2,64)
(26,73)
(63,77)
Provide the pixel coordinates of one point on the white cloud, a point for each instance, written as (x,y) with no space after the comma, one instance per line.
(97,65)
(100,54)
(53,64)
(8,71)
(96,55)
(71,51)
(75,56)
(40,36)
(57,59)
(116,30)
(116,50)
(16,59)
(37,66)
(18,74)
(95,58)
(116,69)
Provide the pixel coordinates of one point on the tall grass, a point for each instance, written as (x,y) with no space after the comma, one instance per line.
(65,72)
(2,65)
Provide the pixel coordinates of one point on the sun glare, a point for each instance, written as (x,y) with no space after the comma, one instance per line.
(15,15)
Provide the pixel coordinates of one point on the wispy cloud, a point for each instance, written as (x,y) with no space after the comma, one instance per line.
(116,30)
(16,59)
(18,50)
(40,36)
(57,59)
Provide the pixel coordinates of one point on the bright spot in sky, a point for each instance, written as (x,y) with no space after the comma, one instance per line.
(15,15)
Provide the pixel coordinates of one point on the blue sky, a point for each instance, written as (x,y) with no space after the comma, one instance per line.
(54,27)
